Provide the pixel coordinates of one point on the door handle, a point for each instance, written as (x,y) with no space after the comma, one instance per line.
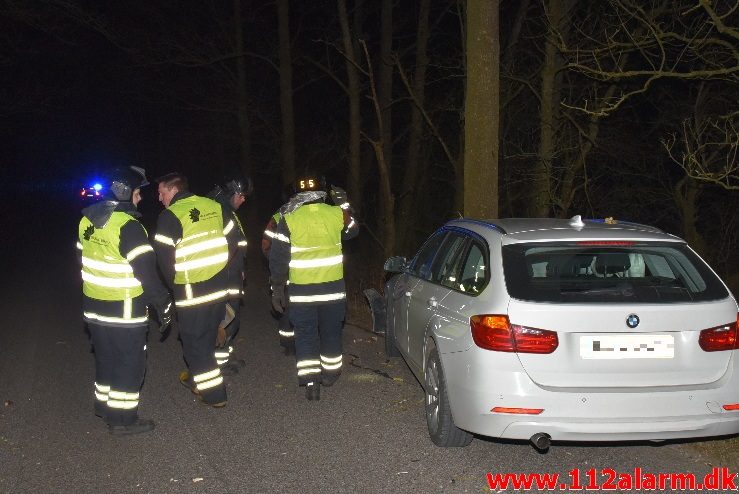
(433,302)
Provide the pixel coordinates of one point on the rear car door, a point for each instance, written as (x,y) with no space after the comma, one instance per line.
(419,268)
(431,290)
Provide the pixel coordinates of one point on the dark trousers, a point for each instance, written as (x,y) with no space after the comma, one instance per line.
(233,328)
(318,346)
(284,329)
(120,365)
(223,353)
(198,327)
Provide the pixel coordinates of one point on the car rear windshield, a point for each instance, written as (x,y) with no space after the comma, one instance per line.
(608,272)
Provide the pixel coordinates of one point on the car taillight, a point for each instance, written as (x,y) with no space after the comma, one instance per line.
(495,332)
(720,338)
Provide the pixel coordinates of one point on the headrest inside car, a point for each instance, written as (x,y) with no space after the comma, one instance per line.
(612,262)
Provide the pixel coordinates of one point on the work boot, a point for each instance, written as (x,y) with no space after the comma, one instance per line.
(137,427)
(229,369)
(288,348)
(186,381)
(328,379)
(313,391)
(220,404)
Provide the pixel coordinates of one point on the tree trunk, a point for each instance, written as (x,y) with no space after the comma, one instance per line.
(482,98)
(686,194)
(387,201)
(353,175)
(286,93)
(409,186)
(541,188)
(241,93)
(385,89)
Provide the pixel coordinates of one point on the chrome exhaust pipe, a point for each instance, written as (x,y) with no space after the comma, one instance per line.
(541,441)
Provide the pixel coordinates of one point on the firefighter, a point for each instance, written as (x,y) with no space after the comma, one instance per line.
(119,280)
(307,251)
(285,331)
(194,240)
(232,195)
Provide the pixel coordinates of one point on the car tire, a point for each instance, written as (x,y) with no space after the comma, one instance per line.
(441,426)
(391,350)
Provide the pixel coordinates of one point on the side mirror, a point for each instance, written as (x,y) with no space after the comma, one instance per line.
(395,264)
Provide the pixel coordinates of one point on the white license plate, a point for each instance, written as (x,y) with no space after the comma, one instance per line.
(625,346)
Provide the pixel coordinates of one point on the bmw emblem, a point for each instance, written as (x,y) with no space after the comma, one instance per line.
(632,321)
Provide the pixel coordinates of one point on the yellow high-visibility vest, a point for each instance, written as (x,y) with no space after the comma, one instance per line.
(315,244)
(203,250)
(106,274)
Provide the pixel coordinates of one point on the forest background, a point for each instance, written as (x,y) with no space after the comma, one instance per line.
(423,110)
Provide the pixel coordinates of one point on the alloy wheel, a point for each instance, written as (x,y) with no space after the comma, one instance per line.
(432,395)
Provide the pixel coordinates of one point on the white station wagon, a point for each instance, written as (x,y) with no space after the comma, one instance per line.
(572,330)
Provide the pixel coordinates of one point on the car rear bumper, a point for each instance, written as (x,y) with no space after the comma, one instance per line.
(476,386)
(560,430)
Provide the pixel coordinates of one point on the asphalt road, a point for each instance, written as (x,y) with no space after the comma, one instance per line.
(367,434)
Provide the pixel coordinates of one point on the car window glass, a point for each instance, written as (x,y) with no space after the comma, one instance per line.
(475,271)
(423,261)
(581,272)
(445,270)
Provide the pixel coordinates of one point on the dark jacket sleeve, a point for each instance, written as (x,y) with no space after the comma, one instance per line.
(279,254)
(269,230)
(135,247)
(236,242)
(351,228)
(168,234)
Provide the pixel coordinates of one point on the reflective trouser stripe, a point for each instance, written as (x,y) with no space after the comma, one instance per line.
(208,380)
(331,363)
(306,367)
(123,400)
(101,392)
(222,356)
(286,334)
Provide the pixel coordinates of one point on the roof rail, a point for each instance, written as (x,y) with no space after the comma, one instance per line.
(621,222)
(485,224)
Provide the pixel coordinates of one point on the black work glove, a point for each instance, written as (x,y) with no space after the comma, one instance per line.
(279,301)
(339,197)
(165,312)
